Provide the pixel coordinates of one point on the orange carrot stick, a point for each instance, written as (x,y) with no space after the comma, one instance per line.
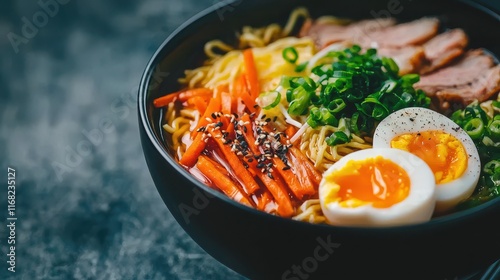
(223,90)
(300,188)
(241,91)
(181,95)
(221,180)
(275,186)
(213,106)
(226,101)
(264,201)
(251,76)
(194,150)
(199,103)
(248,182)
(312,172)
(278,191)
(305,185)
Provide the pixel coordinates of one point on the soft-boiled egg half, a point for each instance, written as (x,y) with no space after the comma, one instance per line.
(378,187)
(446,148)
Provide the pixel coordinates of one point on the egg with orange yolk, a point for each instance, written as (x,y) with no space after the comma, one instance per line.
(446,148)
(377,187)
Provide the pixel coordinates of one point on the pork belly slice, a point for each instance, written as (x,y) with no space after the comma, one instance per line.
(473,77)
(404,34)
(382,32)
(407,58)
(442,49)
(325,33)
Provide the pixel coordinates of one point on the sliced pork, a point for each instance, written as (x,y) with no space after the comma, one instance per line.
(442,49)
(407,58)
(325,33)
(404,34)
(373,33)
(473,77)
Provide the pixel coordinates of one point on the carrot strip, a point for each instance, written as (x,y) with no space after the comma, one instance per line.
(226,103)
(263,201)
(251,75)
(278,191)
(306,186)
(221,180)
(299,187)
(308,165)
(181,95)
(241,91)
(290,131)
(248,182)
(213,106)
(199,103)
(313,174)
(275,186)
(226,98)
(194,150)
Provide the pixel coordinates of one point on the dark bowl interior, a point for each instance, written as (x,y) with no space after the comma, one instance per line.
(262,246)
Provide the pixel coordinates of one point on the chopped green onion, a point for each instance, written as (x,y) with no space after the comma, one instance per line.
(301,67)
(336,105)
(338,137)
(410,78)
(290,54)
(270,99)
(492,167)
(475,128)
(494,129)
(360,87)
(390,65)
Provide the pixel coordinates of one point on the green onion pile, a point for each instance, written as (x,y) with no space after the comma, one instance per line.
(362,88)
(485,132)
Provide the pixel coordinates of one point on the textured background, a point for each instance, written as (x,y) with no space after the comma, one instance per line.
(86,205)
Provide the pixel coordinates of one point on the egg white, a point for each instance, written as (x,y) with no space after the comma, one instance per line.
(417,207)
(415,119)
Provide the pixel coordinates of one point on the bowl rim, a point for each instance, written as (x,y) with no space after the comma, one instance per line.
(157,57)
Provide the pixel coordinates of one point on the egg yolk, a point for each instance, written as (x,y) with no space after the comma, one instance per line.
(445,154)
(378,181)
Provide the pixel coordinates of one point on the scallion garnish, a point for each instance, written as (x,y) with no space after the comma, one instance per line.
(290,54)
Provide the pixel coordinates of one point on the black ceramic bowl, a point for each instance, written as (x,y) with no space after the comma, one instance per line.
(261,246)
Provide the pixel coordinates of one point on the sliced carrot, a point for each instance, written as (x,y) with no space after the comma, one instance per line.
(275,186)
(299,187)
(305,185)
(241,91)
(308,165)
(290,131)
(226,99)
(251,75)
(194,150)
(221,180)
(248,182)
(263,201)
(313,174)
(213,106)
(199,103)
(278,190)
(182,95)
